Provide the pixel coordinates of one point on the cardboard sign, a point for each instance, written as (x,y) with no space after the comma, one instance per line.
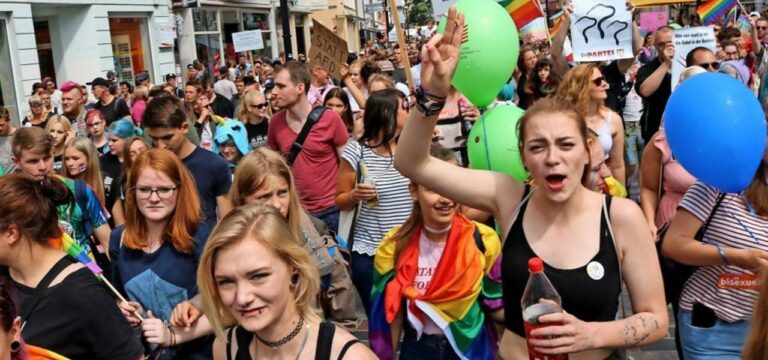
(601,30)
(328,50)
(686,40)
(652,20)
(247,40)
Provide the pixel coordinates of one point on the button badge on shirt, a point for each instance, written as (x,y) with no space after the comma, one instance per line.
(595,270)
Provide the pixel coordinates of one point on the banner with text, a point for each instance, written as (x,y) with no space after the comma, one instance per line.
(328,50)
(601,30)
(247,40)
(686,40)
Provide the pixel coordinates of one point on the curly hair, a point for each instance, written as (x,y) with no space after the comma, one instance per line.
(575,87)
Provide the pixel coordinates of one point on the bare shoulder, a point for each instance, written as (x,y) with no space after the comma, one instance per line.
(629,223)
(220,348)
(357,351)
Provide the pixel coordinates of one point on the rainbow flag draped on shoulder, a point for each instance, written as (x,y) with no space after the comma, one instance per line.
(455,298)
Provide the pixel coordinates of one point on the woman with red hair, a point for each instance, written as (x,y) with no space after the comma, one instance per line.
(155,254)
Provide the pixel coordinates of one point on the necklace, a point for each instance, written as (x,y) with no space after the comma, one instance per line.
(437,231)
(286,339)
(301,349)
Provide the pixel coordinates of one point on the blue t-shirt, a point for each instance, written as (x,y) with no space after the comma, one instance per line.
(81,217)
(161,280)
(212,177)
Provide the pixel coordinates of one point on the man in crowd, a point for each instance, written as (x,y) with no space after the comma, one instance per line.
(320,85)
(112,107)
(317,162)
(191,72)
(166,124)
(170,80)
(240,86)
(730,51)
(142,79)
(224,86)
(759,32)
(654,82)
(72,101)
(398,74)
(243,68)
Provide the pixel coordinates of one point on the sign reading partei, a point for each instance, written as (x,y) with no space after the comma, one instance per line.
(328,50)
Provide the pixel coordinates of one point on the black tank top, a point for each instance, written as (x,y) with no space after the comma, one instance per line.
(322,351)
(584,297)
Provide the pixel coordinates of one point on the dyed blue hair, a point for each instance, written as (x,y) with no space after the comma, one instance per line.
(507,92)
(124,129)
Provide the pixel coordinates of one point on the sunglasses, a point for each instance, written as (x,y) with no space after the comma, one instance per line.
(598,81)
(259,106)
(35,104)
(762,27)
(713,65)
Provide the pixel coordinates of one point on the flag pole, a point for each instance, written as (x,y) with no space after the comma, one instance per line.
(117,293)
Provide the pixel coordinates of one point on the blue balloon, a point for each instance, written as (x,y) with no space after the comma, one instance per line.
(716,129)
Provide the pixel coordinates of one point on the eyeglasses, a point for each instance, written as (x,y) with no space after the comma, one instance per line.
(35,104)
(259,106)
(598,81)
(713,65)
(94,124)
(164,193)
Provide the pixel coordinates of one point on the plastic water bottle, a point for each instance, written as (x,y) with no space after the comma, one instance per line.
(539,298)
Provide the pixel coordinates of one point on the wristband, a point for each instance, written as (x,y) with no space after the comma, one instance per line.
(172,335)
(722,255)
(429,104)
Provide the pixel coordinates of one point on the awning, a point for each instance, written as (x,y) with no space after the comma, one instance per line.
(643,3)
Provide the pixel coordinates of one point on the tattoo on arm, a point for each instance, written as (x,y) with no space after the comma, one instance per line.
(635,333)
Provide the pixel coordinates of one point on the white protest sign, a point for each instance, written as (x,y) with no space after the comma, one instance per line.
(166,33)
(601,30)
(392,36)
(440,7)
(686,40)
(247,40)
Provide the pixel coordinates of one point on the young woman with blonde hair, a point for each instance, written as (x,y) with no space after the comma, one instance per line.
(61,130)
(81,161)
(256,280)
(255,114)
(586,88)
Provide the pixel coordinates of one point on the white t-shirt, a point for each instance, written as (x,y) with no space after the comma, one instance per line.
(430,253)
(206,138)
(633,107)
(225,88)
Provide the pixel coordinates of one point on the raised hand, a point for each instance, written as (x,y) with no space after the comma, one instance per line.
(440,56)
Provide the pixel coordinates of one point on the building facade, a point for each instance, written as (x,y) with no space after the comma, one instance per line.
(80,40)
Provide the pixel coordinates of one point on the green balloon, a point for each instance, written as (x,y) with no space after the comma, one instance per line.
(492,142)
(489,53)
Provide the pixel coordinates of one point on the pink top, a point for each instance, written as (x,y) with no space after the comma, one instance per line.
(676,181)
(317,164)
(137,111)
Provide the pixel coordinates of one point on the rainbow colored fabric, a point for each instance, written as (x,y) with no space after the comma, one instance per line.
(73,249)
(38,353)
(454,300)
(522,11)
(711,11)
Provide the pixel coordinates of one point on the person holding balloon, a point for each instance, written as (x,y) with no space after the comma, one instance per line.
(586,87)
(720,139)
(566,224)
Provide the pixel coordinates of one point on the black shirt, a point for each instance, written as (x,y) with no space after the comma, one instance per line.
(115,110)
(112,174)
(222,107)
(618,87)
(79,319)
(653,106)
(257,134)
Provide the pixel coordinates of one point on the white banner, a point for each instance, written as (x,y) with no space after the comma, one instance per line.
(166,33)
(247,40)
(686,40)
(601,30)
(440,7)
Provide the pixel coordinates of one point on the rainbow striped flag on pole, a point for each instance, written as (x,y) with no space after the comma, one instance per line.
(713,10)
(557,22)
(522,11)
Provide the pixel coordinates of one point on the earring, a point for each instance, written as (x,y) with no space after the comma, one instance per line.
(294,279)
(15,346)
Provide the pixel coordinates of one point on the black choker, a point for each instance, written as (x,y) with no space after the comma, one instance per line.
(286,339)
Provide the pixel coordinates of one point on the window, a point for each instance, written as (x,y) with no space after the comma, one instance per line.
(259,21)
(7,87)
(130,47)
(205,20)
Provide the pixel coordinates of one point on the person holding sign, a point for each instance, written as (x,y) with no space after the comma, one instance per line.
(565,223)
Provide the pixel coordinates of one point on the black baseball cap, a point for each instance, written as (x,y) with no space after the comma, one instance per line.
(248,80)
(98,81)
(142,76)
(170,76)
(190,66)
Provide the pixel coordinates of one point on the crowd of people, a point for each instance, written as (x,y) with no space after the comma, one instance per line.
(268,210)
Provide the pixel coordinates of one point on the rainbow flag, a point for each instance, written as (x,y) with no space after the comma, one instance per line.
(522,11)
(76,251)
(712,10)
(557,23)
(38,353)
(455,298)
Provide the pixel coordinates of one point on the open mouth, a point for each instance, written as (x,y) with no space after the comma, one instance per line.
(555,181)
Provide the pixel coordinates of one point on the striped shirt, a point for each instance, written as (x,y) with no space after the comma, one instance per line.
(395,201)
(732,226)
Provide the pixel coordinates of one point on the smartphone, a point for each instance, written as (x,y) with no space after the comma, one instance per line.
(702,316)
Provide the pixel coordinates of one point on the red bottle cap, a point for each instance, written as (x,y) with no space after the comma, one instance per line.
(535,265)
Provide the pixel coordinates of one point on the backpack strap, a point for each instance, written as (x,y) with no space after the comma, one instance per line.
(313,117)
(325,340)
(720,197)
(29,306)
(479,240)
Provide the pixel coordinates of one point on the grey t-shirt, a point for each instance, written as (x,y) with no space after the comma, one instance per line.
(6,155)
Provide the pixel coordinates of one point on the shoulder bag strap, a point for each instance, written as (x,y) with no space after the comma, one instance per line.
(312,119)
(346,347)
(325,340)
(720,197)
(32,302)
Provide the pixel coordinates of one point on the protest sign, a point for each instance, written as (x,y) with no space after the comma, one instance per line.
(440,7)
(686,40)
(644,3)
(601,30)
(166,33)
(652,20)
(247,40)
(536,30)
(328,50)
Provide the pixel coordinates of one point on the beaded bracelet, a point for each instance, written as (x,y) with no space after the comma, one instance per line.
(172,335)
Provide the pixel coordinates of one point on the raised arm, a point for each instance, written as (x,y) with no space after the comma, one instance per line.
(483,190)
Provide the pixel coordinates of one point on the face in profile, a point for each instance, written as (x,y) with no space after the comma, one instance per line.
(254,284)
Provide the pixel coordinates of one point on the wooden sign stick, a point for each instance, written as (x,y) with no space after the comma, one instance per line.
(405,61)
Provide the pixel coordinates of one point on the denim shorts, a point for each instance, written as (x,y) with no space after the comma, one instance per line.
(633,143)
(723,341)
